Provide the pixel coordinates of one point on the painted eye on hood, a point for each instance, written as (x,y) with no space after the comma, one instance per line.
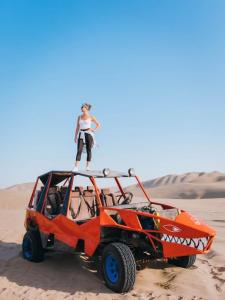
(172,228)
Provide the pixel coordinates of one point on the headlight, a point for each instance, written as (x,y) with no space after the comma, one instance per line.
(106,171)
(131,172)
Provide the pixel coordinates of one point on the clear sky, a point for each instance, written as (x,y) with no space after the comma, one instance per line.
(153,70)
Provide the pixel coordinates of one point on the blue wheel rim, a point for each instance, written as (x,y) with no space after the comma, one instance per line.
(27,250)
(111,268)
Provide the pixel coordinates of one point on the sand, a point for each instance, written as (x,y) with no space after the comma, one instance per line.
(192,185)
(68,276)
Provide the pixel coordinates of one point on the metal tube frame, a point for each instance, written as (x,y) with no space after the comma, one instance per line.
(33,192)
(46,193)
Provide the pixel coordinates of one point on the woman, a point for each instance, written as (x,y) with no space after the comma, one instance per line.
(84,135)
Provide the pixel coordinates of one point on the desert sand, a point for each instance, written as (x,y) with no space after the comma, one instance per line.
(69,276)
(188,186)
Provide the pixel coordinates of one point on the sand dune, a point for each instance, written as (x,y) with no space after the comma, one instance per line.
(189,191)
(191,177)
(187,186)
(28,186)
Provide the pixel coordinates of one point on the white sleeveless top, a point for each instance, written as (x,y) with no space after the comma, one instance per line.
(85,124)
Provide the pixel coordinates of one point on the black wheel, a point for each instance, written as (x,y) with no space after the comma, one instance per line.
(119,267)
(32,247)
(183,261)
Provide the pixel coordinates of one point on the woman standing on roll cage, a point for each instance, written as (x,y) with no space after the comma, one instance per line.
(84,135)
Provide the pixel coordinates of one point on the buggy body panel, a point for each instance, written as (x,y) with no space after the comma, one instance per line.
(152,230)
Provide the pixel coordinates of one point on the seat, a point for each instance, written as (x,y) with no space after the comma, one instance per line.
(52,207)
(90,201)
(62,193)
(82,206)
(75,205)
(107,198)
(90,188)
(78,189)
(63,190)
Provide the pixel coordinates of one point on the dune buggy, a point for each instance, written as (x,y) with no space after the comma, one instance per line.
(121,226)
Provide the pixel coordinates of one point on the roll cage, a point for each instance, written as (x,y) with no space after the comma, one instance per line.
(67,179)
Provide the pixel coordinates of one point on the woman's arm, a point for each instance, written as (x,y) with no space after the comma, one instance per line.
(77,129)
(94,120)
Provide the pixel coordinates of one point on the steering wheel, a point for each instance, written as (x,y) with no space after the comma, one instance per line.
(128,196)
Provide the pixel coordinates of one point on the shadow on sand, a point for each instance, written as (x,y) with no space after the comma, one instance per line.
(59,271)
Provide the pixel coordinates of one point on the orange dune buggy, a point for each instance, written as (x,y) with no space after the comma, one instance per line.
(123,229)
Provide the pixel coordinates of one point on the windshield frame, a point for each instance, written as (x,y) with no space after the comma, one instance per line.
(119,185)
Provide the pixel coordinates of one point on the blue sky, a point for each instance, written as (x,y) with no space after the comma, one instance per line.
(154,72)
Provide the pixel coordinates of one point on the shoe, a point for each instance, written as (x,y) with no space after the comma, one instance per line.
(75,169)
(88,169)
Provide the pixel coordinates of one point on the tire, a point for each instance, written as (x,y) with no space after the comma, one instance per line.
(32,247)
(183,261)
(119,267)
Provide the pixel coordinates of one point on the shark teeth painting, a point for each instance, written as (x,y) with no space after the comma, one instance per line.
(197,243)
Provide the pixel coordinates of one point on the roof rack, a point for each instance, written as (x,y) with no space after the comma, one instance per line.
(58,176)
